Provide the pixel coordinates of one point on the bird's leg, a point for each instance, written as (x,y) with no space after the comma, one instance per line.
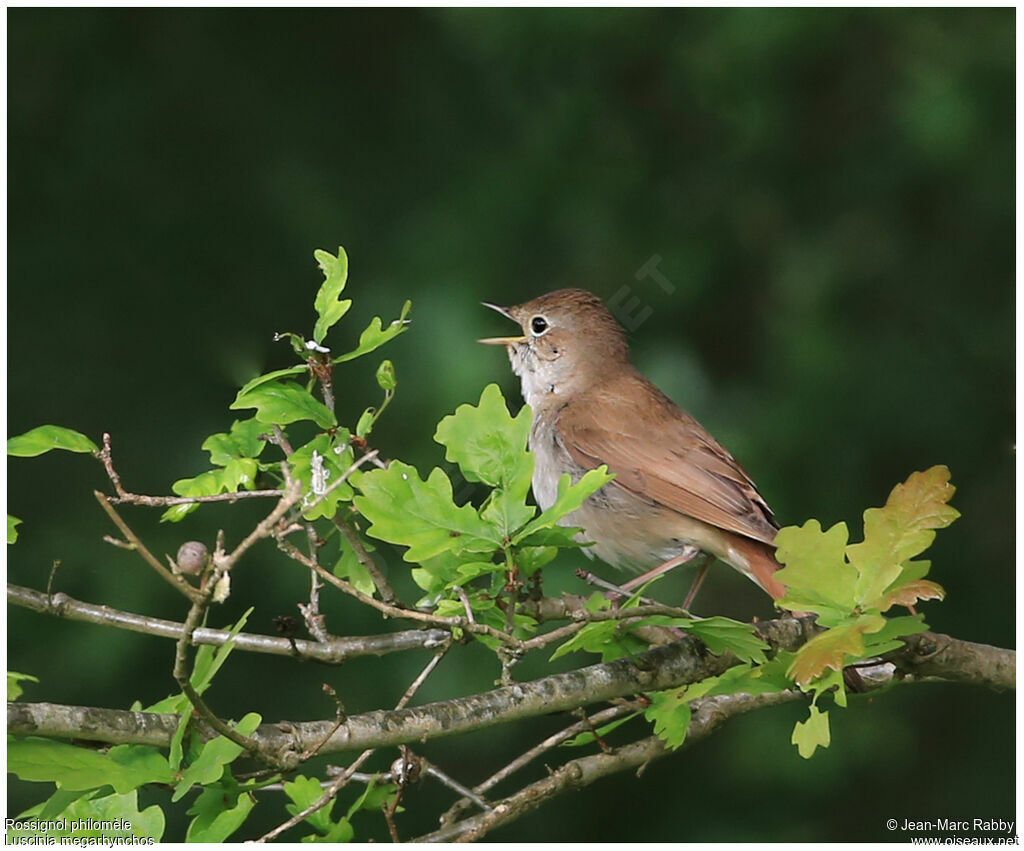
(698,580)
(688,553)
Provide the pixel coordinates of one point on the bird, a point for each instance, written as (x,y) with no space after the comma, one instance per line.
(677,491)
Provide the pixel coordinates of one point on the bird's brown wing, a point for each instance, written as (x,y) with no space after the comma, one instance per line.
(659,451)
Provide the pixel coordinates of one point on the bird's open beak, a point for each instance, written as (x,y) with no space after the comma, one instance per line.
(500,341)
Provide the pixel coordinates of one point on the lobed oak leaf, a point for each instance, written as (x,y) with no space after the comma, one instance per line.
(911,592)
(830,649)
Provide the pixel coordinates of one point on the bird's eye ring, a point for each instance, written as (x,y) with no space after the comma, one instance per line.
(539,325)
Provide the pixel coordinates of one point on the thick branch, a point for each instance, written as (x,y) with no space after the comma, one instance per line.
(685,661)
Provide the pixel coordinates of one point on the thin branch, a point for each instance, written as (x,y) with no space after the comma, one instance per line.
(193,594)
(332,791)
(333,652)
(106,456)
(365,559)
(292,494)
(390,610)
(183,674)
(708,715)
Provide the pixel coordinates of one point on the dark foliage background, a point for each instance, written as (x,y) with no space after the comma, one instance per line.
(831,196)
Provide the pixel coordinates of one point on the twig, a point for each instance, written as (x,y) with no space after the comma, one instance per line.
(526,758)
(708,715)
(280,439)
(311,612)
(162,501)
(333,652)
(106,456)
(339,718)
(183,675)
(414,686)
(458,589)
(337,483)
(454,785)
(193,594)
(332,791)
(364,558)
(291,495)
(53,575)
(394,611)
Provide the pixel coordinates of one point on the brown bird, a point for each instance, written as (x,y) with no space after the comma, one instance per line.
(677,491)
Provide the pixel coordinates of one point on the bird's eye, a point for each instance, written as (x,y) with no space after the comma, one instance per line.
(538,325)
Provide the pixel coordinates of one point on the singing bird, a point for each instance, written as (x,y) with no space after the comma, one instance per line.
(677,491)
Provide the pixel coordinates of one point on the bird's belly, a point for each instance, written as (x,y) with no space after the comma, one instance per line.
(627,531)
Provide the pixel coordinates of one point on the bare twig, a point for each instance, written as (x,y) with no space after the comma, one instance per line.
(414,686)
(292,494)
(193,594)
(332,791)
(458,589)
(708,715)
(333,652)
(106,456)
(526,758)
(364,558)
(390,610)
(311,612)
(183,674)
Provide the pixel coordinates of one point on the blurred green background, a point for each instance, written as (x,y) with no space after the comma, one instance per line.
(830,195)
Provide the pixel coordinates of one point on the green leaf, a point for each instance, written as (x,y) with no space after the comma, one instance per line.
(329,307)
(237,474)
(746,679)
(487,443)
(721,634)
(811,734)
(44,438)
(81,818)
(888,638)
(386,378)
(610,639)
(215,755)
(420,515)
(14,680)
(280,403)
(349,567)
(570,497)
(670,712)
(12,531)
(374,336)
(365,423)
(209,659)
(319,464)
(816,574)
(588,737)
(242,441)
(341,831)
(271,376)
(218,813)
(303,793)
(73,768)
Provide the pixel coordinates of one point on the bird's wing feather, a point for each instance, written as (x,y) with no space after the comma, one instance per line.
(659,451)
